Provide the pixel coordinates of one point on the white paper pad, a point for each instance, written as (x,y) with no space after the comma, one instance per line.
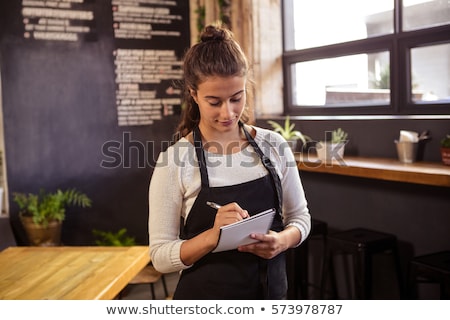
(238,233)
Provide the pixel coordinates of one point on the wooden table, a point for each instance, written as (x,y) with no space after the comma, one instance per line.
(68,273)
(421,172)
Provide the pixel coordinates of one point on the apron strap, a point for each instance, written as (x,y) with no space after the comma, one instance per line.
(200,157)
(269,166)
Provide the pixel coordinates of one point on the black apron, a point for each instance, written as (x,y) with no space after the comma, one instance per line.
(233,274)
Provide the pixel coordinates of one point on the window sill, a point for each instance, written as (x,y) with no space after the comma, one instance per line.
(426,173)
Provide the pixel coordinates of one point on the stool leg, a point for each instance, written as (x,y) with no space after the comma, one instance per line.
(290,272)
(327,270)
(301,274)
(166,292)
(324,269)
(412,282)
(152,288)
(334,291)
(328,266)
(363,270)
(445,289)
(398,270)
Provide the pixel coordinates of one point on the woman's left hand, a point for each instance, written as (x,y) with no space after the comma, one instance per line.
(272,243)
(269,245)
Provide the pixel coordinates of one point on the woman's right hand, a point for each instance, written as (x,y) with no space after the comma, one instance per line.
(228,214)
(194,249)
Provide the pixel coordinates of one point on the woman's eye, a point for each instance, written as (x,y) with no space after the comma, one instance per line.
(236,100)
(214,104)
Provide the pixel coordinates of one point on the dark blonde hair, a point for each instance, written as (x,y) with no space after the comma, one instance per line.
(217,54)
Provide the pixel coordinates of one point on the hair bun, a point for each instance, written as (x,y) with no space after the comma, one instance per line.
(212,33)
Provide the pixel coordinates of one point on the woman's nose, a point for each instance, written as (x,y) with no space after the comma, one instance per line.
(226,111)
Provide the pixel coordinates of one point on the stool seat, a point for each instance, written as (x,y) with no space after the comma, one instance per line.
(364,239)
(434,267)
(362,244)
(147,275)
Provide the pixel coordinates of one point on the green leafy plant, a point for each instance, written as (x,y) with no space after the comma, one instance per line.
(117,239)
(338,135)
(384,81)
(287,130)
(445,142)
(46,206)
(201,13)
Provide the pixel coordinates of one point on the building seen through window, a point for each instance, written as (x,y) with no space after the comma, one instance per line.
(375,55)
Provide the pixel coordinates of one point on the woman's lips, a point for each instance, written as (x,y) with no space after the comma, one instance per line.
(226,123)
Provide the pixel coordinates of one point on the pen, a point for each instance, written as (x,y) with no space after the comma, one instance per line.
(213,205)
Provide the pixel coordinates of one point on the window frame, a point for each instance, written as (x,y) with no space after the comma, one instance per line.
(398,44)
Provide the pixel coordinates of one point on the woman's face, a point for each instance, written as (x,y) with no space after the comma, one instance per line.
(221,101)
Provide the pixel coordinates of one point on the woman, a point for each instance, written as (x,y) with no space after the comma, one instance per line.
(243,168)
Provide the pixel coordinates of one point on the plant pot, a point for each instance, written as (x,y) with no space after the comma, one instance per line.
(330,151)
(445,155)
(43,236)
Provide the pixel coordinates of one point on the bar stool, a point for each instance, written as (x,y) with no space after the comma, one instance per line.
(297,264)
(430,268)
(362,244)
(149,275)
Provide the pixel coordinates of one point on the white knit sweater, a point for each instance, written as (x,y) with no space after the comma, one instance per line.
(176,182)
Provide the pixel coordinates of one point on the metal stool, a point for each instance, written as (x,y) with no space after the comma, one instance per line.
(430,268)
(149,275)
(297,264)
(362,244)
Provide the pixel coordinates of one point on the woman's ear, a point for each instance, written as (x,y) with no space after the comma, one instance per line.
(193,95)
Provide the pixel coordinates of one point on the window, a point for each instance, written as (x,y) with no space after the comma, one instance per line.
(356,57)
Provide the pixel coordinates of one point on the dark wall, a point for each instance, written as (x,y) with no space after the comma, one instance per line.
(59,108)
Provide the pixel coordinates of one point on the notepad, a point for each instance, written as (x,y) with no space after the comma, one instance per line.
(238,233)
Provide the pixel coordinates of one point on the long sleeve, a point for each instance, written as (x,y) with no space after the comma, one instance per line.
(165,207)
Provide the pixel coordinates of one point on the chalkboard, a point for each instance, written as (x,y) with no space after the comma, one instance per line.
(63,101)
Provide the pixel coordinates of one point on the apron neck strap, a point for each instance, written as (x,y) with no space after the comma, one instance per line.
(200,156)
(269,166)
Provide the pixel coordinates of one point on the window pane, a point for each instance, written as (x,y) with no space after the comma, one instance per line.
(318,23)
(351,80)
(425,13)
(430,69)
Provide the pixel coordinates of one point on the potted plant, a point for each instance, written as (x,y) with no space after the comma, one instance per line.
(42,214)
(287,132)
(333,149)
(116,239)
(445,150)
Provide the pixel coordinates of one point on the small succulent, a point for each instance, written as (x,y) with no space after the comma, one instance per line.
(338,135)
(445,142)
